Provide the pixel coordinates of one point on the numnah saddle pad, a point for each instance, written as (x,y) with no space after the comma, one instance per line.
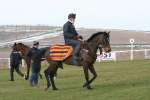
(60,52)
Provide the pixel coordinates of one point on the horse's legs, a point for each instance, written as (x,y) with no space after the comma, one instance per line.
(28,72)
(50,72)
(52,81)
(53,71)
(86,73)
(92,70)
(28,68)
(19,71)
(40,75)
(46,72)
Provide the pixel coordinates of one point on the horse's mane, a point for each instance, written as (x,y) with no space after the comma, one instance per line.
(24,45)
(95,35)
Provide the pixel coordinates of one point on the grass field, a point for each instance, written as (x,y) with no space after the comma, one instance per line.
(116,81)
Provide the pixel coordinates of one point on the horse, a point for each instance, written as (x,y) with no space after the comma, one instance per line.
(88,55)
(24,50)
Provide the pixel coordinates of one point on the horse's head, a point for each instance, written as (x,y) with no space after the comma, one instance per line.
(20,47)
(105,42)
(17,46)
(101,40)
(14,47)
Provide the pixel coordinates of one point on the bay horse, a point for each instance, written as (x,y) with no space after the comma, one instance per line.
(24,50)
(88,54)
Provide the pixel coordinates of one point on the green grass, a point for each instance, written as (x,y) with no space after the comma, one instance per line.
(116,81)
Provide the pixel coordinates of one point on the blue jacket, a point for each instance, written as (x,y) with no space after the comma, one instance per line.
(69,31)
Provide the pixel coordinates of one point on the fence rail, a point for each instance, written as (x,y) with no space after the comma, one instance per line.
(113,56)
(125,55)
(5,63)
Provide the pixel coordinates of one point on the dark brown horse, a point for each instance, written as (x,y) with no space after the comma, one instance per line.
(24,50)
(88,54)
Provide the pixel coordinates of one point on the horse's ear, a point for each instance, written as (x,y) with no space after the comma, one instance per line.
(108,32)
(15,43)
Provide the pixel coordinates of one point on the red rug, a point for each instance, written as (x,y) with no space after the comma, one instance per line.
(60,52)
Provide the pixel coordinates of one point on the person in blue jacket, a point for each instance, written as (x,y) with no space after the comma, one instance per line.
(35,55)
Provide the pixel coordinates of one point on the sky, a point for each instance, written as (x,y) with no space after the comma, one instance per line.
(109,14)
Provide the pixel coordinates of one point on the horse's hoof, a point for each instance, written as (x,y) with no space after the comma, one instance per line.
(55,89)
(25,77)
(85,85)
(12,80)
(89,88)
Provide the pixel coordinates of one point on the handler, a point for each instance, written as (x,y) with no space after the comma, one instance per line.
(35,55)
(15,62)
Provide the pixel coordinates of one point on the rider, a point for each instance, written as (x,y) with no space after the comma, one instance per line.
(35,55)
(71,37)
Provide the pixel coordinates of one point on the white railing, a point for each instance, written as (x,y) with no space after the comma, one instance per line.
(114,56)
(6,62)
(3,63)
(124,55)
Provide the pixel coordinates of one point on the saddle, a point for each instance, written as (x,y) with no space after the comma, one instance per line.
(60,52)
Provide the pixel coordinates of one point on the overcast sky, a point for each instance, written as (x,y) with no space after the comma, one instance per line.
(122,14)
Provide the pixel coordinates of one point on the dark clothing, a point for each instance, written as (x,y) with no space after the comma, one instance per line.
(70,34)
(35,55)
(69,31)
(16,67)
(15,61)
(76,44)
(15,58)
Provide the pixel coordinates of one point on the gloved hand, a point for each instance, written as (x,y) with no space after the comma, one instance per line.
(79,37)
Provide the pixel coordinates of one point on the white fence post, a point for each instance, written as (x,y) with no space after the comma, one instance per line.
(115,56)
(131,42)
(145,54)
(9,63)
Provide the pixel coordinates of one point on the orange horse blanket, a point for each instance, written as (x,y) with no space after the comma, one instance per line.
(60,52)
